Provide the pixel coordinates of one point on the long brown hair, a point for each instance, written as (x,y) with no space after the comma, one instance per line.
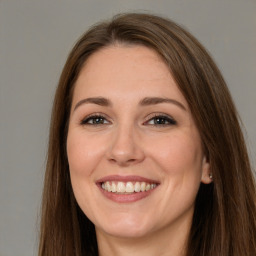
(224,222)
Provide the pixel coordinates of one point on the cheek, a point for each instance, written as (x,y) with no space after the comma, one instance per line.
(180,159)
(83,157)
(179,155)
(83,154)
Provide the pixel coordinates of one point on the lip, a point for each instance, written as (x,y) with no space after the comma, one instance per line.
(126,179)
(126,198)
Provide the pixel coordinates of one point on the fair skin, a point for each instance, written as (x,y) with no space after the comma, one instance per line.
(131,130)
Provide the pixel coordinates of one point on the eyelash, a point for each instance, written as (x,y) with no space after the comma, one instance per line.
(162,118)
(159,120)
(93,118)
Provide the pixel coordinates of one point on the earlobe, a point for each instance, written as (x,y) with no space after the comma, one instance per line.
(207,176)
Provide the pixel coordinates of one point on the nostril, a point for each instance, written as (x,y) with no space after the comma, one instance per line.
(131,160)
(123,161)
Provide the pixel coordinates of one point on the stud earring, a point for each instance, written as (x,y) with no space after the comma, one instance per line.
(210,176)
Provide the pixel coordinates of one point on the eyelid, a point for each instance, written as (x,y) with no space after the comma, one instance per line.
(94,115)
(171,120)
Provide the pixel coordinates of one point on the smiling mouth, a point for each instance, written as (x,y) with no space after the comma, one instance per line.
(129,187)
(126,189)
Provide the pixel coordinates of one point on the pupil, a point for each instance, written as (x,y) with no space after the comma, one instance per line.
(160,121)
(98,120)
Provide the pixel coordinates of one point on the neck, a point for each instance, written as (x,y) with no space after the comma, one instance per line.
(163,242)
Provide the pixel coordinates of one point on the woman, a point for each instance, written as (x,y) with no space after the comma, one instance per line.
(146,155)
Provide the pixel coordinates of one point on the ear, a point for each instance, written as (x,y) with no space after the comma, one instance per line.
(206,177)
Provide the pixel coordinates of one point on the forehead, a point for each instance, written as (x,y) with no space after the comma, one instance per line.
(116,58)
(126,69)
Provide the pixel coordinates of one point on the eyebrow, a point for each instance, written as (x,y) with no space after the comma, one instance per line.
(97,100)
(158,100)
(144,102)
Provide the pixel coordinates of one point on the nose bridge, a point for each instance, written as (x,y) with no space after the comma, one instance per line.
(125,148)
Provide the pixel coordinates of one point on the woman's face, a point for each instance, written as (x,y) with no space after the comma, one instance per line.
(134,151)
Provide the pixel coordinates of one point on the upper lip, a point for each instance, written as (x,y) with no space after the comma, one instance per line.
(126,179)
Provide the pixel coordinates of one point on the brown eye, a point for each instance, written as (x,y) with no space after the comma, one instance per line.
(95,120)
(161,121)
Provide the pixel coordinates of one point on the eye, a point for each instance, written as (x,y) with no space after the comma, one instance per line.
(160,120)
(95,120)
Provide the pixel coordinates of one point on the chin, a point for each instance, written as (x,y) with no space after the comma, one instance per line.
(126,229)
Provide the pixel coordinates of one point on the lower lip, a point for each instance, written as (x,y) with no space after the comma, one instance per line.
(126,198)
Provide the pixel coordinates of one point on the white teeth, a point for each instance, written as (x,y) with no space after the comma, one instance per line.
(137,187)
(142,186)
(120,187)
(108,186)
(113,187)
(128,187)
(152,186)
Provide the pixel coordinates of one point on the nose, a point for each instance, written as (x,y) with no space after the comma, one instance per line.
(125,148)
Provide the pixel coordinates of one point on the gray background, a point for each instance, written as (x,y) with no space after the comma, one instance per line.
(35,38)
